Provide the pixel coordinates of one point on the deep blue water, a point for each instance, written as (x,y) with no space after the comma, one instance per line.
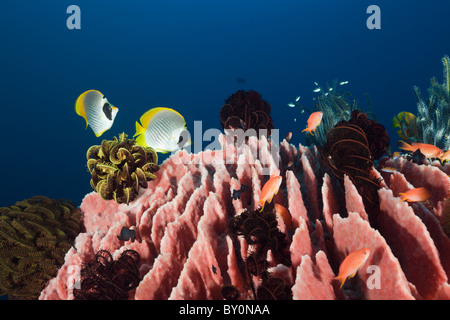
(187,55)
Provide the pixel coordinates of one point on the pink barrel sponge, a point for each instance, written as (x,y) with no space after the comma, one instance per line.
(186,250)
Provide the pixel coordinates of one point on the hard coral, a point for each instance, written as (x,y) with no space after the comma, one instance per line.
(35,235)
(120,167)
(181,224)
(246,110)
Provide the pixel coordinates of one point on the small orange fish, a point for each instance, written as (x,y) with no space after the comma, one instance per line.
(313,121)
(285,215)
(445,156)
(269,190)
(396,154)
(388,169)
(418,194)
(428,150)
(351,264)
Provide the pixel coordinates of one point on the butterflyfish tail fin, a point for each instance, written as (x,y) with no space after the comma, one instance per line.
(140,140)
(79,108)
(139,129)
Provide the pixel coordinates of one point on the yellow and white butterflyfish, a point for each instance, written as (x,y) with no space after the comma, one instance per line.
(99,114)
(162,129)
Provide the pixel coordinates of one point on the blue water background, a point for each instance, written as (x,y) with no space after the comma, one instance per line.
(188,55)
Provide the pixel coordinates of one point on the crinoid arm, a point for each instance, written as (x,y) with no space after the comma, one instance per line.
(120,167)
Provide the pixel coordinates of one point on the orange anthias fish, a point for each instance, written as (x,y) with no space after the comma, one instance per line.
(313,121)
(285,215)
(428,150)
(351,264)
(418,194)
(269,190)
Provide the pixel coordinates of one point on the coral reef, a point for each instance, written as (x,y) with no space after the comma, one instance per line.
(35,234)
(120,167)
(108,279)
(433,114)
(187,252)
(246,110)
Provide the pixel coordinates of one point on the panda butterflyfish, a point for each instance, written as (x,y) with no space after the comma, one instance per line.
(162,129)
(99,114)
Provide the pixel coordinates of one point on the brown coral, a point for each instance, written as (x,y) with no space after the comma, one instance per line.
(120,167)
(35,235)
